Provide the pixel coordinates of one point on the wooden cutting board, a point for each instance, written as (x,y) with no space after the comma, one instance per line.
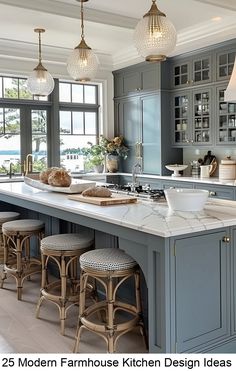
(104,201)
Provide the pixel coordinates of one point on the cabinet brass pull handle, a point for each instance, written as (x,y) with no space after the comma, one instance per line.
(226,239)
(212,193)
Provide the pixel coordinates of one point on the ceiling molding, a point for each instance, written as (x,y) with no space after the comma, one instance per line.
(14,49)
(206,30)
(226,4)
(73,11)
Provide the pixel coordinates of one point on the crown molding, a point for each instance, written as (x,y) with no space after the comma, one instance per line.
(202,36)
(73,11)
(226,4)
(20,50)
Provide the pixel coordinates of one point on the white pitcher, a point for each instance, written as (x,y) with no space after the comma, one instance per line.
(205,171)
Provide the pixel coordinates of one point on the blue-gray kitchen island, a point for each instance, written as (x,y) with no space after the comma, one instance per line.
(188,260)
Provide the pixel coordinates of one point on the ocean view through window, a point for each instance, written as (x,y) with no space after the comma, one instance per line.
(53,129)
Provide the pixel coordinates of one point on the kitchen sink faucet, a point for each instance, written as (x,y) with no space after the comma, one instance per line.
(135,171)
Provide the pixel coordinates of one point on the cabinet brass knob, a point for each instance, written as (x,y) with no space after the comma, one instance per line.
(226,239)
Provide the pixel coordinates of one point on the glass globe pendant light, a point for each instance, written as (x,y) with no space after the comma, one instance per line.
(155,36)
(82,64)
(40,82)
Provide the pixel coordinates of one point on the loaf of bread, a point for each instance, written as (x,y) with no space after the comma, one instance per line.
(97,192)
(43,176)
(59,178)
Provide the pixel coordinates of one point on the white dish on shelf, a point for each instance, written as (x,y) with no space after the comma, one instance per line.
(184,199)
(176,168)
(77,185)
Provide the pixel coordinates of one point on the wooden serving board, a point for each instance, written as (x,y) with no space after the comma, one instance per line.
(104,201)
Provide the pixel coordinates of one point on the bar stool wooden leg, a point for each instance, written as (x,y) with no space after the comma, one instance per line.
(19,267)
(83,285)
(110,310)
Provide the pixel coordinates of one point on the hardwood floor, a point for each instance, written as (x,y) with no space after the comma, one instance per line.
(21,332)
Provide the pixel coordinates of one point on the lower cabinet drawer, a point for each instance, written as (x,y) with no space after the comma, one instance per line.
(218,192)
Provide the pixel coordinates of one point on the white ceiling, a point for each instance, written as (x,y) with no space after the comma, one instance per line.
(109,26)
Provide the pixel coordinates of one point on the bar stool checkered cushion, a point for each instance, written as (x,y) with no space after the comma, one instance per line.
(6,216)
(23,225)
(70,241)
(108,259)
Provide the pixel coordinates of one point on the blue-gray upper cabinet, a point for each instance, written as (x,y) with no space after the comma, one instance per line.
(225,63)
(145,125)
(128,124)
(191,71)
(202,301)
(225,118)
(136,79)
(138,120)
(192,117)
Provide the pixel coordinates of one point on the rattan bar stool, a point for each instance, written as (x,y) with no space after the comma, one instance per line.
(64,251)
(110,267)
(19,261)
(5,216)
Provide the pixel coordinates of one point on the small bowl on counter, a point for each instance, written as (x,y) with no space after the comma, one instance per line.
(176,168)
(184,199)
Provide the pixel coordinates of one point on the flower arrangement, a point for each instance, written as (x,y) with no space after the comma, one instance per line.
(115,146)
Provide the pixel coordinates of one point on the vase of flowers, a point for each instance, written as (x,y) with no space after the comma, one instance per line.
(114,149)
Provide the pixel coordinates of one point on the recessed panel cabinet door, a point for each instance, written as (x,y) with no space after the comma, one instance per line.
(151,134)
(128,119)
(202,292)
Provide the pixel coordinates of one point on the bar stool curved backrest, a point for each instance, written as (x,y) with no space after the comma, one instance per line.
(20,261)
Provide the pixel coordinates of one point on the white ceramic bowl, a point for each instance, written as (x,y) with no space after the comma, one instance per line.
(184,199)
(176,168)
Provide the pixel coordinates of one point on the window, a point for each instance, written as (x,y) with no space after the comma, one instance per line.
(16,88)
(39,139)
(78,118)
(23,126)
(9,139)
(53,133)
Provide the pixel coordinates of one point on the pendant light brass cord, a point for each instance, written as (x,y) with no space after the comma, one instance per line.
(82,20)
(40,66)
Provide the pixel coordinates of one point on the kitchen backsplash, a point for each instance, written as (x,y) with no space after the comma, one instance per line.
(193,153)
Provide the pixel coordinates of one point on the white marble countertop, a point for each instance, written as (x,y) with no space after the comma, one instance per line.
(146,216)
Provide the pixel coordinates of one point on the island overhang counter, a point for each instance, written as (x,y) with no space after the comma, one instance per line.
(188,260)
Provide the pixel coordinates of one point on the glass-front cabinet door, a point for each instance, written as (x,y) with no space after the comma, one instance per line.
(202,117)
(202,70)
(225,64)
(226,118)
(192,117)
(192,72)
(181,74)
(181,118)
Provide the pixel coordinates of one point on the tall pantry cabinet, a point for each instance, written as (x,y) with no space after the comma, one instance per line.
(142,116)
